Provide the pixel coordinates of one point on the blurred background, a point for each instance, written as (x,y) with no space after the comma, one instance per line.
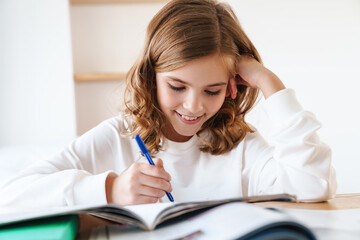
(62,64)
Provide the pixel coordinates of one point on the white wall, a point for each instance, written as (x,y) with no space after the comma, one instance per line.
(106,39)
(314,47)
(36,77)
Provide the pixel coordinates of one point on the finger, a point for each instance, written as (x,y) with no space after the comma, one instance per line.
(142,199)
(148,199)
(155,171)
(158,162)
(241,81)
(151,192)
(154,182)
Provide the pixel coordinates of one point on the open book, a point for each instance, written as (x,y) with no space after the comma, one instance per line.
(145,216)
(150,216)
(235,220)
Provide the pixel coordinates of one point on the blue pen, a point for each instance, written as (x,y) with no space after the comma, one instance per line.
(146,153)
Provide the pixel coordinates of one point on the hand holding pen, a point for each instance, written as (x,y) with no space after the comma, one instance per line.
(146,153)
(140,183)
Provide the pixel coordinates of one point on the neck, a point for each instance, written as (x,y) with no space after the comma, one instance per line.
(170,133)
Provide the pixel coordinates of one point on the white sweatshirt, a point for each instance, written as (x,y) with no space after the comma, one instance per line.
(298,163)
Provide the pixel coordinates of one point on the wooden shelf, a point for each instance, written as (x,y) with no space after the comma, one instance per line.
(99,77)
(74,2)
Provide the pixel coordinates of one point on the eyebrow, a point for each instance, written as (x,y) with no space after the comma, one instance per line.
(183,82)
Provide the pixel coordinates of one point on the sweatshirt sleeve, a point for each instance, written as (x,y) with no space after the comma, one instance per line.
(74,176)
(297,161)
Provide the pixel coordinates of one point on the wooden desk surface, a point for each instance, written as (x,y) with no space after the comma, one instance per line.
(341,201)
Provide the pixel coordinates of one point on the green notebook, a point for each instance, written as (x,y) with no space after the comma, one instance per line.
(61,227)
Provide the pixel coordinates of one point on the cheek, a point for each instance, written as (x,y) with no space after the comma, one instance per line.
(219,104)
(166,99)
(215,105)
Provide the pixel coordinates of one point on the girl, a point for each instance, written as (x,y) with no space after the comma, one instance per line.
(187,97)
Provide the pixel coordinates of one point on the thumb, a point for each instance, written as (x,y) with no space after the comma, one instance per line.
(158,162)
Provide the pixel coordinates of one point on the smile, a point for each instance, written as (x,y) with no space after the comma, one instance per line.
(189,119)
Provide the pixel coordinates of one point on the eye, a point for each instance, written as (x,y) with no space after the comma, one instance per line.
(211,93)
(178,89)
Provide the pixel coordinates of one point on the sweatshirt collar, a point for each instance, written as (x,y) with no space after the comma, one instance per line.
(180,147)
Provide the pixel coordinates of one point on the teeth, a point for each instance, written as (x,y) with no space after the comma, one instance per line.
(189,118)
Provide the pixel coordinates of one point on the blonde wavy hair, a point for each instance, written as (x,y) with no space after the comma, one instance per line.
(184,30)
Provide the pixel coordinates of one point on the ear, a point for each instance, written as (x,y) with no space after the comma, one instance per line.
(231,89)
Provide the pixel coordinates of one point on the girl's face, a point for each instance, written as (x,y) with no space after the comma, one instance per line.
(190,95)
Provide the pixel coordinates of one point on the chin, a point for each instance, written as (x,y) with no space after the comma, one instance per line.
(187,133)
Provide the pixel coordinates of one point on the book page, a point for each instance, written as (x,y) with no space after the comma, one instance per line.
(227,221)
(148,213)
(154,214)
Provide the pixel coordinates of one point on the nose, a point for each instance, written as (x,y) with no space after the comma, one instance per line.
(194,103)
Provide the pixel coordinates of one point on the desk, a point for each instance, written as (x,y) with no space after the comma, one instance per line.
(341,201)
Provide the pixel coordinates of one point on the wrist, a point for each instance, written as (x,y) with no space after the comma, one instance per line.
(270,84)
(109,182)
